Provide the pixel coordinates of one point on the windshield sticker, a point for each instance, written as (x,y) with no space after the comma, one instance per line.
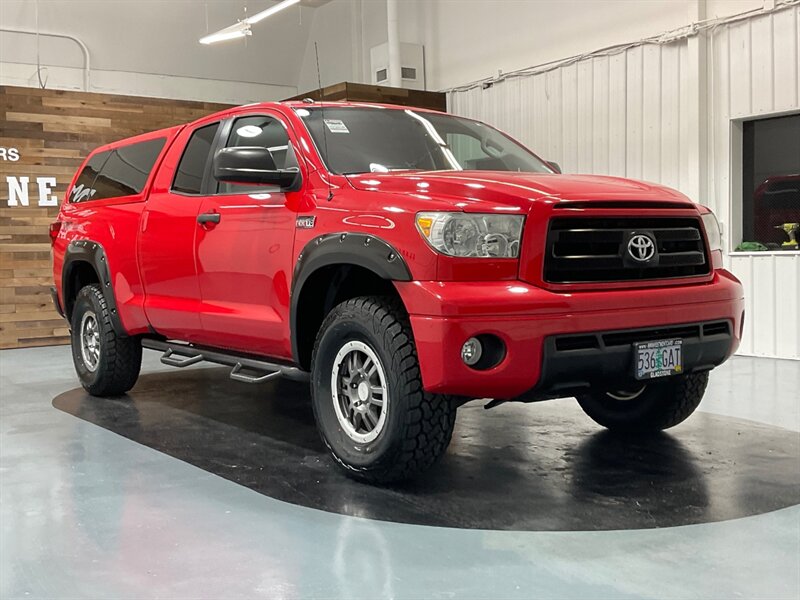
(336,126)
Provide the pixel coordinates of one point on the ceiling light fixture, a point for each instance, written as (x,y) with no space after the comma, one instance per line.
(242,28)
(270,11)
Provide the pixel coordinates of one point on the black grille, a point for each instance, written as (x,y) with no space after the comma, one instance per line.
(587,249)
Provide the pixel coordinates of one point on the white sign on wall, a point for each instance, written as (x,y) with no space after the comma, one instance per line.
(19,188)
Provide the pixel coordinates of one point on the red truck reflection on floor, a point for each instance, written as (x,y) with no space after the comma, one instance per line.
(405,260)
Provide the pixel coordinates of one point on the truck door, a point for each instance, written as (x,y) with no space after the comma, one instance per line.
(167,234)
(244,249)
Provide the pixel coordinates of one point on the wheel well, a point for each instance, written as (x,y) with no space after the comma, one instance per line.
(80,274)
(324,289)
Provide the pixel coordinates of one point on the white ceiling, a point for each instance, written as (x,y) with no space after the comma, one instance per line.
(160,36)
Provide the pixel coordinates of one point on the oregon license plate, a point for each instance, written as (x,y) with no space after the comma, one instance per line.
(658,359)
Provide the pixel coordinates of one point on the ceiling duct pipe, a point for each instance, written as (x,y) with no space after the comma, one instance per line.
(395,79)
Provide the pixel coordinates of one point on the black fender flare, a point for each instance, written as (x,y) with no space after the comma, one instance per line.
(93,253)
(357,249)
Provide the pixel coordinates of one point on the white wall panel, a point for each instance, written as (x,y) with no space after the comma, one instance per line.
(772,304)
(786,26)
(600,139)
(638,114)
(754,68)
(787,313)
(618,115)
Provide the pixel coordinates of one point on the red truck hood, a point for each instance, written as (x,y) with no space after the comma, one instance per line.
(470,189)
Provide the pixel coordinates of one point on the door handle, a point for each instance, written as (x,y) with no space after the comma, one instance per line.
(209,217)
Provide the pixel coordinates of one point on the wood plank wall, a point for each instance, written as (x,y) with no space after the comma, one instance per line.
(52,132)
(361,92)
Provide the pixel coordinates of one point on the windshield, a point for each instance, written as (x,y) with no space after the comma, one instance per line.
(379,140)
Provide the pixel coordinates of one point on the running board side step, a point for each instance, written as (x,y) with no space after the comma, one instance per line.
(245,369)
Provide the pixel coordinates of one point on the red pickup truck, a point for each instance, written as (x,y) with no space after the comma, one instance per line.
(405,260)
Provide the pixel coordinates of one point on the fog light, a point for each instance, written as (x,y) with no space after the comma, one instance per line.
(471,351)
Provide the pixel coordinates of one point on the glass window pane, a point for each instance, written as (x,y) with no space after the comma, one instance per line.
(83,189)
(363,140)
(126,171)
(771,180)
(468,152)
(266,132)
(192,167)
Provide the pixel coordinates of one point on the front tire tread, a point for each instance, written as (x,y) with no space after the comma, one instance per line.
(429,418)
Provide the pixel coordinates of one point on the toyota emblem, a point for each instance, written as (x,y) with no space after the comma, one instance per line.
(641,247)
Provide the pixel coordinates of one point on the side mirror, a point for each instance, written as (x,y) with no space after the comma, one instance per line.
(553,165)
(252,165)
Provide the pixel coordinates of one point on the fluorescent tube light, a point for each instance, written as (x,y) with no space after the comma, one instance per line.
(242,28)
(237,30)
(270,11)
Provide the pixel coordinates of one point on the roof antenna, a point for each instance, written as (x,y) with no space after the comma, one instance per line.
(324,124)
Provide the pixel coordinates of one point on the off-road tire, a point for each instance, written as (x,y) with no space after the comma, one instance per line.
(120,357)
(662,404)
(418,425)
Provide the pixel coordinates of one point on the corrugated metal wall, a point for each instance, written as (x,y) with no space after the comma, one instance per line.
(618,115)
(646,114)
(754,70)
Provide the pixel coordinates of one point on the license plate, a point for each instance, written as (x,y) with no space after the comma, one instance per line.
(658,359)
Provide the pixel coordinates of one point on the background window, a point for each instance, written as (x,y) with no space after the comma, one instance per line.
(192,168)
(771,180)
(263,131)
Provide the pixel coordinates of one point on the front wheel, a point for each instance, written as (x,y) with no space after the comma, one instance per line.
(646,407)
(370,408)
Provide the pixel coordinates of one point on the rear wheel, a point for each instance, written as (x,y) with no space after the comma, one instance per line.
(646,407)
(371,410)
(107,364)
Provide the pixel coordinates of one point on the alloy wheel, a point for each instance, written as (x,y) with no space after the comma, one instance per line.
(359,390)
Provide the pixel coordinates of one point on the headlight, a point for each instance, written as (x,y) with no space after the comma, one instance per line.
(713,231)
(472,235)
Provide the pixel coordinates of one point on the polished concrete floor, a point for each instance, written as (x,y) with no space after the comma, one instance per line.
(197,488)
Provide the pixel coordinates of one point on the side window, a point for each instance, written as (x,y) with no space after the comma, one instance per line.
(84,185)
(126,171)
(119,172)
(259,131)
(192,168)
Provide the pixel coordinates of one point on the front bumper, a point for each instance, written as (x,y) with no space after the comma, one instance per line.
(526,318)
(572,364)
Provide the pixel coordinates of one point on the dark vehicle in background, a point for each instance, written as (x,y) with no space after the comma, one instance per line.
(776,201)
